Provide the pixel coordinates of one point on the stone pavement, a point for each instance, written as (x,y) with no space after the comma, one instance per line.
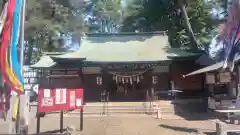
(122,125)
(111,125)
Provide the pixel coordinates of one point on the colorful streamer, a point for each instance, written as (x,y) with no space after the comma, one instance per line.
(15,109)
(15,36)
(10,68)
(230,35)
(5,40)
(2,21)
(8,53)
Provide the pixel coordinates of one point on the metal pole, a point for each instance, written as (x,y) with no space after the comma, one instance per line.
(61,122)
(81,109)
(81,119)
(38,123)
(22,34)
(24,99)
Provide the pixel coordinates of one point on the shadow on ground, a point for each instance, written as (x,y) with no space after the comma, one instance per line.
(181,129)
(213,133)
(193,110)
(53,131)
(192,130)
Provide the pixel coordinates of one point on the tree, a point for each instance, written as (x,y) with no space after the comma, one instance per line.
(188,23)
(188,26)
(50,25)
(104,16)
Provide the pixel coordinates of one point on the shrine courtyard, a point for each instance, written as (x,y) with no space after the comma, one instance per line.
(123,125)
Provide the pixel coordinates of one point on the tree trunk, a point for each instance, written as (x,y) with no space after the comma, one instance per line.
(29,52)
(194,42)
(1,6)
(2,3)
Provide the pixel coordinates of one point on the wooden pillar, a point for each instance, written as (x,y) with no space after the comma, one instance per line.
(83,86)
(238,78)
(171,78)
(154,82)
(104,77)
(104,91)
(38,123)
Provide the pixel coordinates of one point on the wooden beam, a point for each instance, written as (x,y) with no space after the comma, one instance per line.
(56,76)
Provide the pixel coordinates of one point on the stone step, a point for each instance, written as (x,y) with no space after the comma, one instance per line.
(171,117)
(86,107)
(124,111)
(110,112)
(164,102)
(116,104)
(117,109)
(124,108)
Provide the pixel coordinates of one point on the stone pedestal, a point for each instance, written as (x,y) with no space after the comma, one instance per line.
(23,130)
(221,128)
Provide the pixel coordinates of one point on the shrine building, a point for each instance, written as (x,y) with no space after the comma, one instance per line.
(127,66)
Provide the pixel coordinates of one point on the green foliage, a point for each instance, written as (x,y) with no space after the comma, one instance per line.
(49,25)
(106,15)
(165,15)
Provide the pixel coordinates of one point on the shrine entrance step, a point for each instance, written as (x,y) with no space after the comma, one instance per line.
(114,108)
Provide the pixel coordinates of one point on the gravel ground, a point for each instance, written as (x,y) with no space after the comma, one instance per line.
(123,125)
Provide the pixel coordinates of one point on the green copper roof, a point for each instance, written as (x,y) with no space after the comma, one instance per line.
(122,48)
(129,48)
(44,62)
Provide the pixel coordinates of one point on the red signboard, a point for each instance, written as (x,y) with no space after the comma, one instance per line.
(59,99)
